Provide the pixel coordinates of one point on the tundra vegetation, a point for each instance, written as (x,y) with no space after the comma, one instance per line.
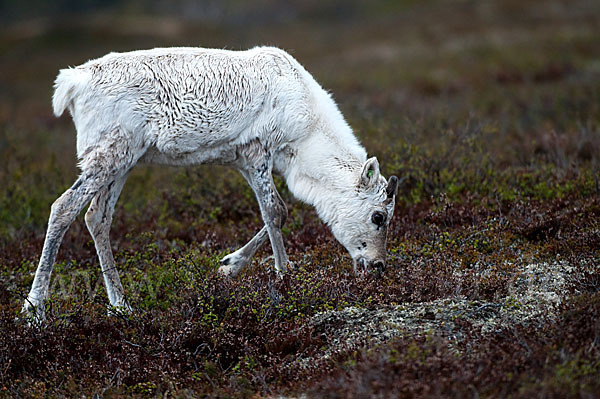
(488,112)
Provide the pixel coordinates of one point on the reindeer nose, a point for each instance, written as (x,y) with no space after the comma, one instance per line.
(379,265)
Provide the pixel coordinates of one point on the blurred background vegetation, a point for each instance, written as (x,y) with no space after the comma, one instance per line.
(498,98)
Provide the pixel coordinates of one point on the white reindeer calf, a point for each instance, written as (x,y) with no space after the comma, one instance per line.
(258,111)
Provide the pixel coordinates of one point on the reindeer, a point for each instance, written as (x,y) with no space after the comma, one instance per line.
(258,111)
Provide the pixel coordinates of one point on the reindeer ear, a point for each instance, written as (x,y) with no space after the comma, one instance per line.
(392,187)
(370,172)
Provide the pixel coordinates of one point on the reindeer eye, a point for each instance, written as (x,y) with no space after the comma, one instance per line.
(378,218)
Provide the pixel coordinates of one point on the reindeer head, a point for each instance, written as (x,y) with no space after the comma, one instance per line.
(364,216)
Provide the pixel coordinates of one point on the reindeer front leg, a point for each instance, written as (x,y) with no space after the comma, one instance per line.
(272,209)
(235,262)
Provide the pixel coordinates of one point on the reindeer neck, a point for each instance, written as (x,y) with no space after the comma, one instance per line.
(325,169)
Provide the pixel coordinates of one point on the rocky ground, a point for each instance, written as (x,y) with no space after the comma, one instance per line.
(535,295)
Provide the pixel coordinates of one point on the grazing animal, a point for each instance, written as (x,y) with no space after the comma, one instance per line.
(258,111)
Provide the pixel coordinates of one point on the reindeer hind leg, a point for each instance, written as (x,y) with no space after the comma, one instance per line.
(98,219)
(109,159)
(62,213)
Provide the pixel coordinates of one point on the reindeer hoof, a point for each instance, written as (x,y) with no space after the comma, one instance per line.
(282,270)
(226,271)
(122,308)
(33,312)
(232,264)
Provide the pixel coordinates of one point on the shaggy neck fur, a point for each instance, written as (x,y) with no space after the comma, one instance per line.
(328,161)
(326,171)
